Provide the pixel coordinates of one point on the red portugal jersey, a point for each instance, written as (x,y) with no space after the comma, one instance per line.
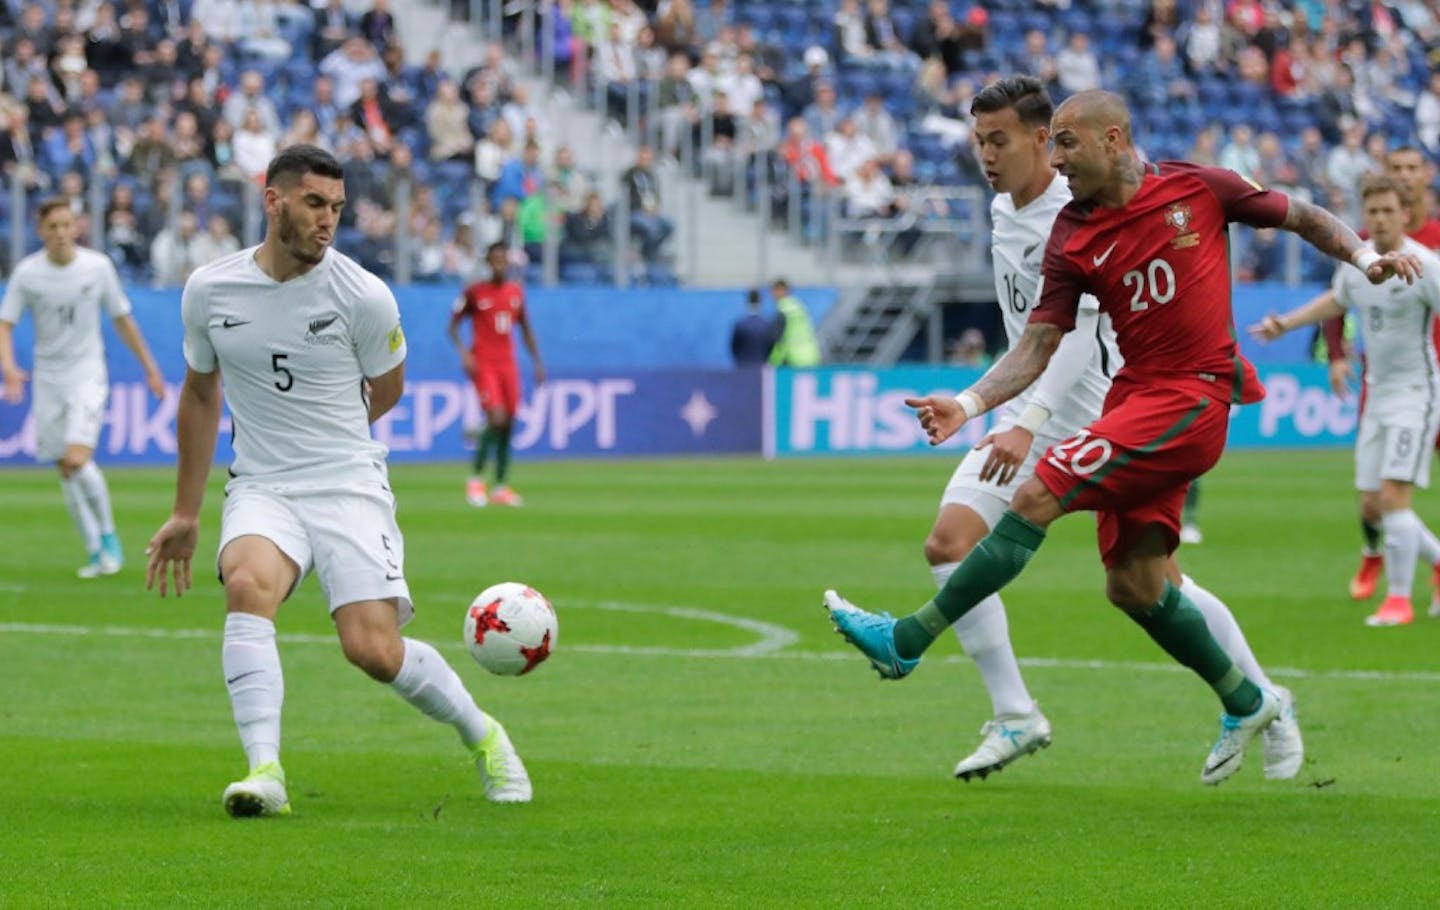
(1160,267)
(494,311)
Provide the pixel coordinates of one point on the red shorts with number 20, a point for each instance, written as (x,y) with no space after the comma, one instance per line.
(1133,465)
(499,387)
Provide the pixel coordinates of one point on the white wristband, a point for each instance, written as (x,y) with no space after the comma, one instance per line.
(1364,258)
(971,403)
(1033,417)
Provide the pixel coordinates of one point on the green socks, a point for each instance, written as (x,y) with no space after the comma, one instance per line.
(1178,626)
(482,450)
(993,563)
(502,455)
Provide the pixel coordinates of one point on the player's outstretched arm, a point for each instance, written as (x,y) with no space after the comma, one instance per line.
(1335,239)
(197,421)
(129,332)
(942,417)
(14,378)
(1317,310)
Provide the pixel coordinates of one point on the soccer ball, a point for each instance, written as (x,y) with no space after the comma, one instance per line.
(510,629)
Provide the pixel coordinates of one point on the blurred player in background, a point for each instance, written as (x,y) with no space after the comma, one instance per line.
(1412,170)
(1150,242)
(495,308)
(311,350)
(1402,390)
(1012,130)
(66,288)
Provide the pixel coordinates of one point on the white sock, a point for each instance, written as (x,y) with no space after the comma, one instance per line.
(80,514)
(984,633)
(97,493)
(255,683)
(429,683)
(1429,544)
(1225,630)
(1402,548)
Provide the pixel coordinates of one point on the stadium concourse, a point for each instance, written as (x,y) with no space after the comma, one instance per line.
(155,118)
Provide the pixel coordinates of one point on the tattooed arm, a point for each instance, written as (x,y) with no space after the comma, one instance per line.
(1333,237)
(942,416)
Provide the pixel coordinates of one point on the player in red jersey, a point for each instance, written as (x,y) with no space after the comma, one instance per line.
(1409,166)
(495,308)
(1150,243)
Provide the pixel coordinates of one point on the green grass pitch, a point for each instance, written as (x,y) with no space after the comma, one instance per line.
(700,737)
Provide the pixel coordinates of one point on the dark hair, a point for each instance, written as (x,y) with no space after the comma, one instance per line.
(499,245)
(752,296)
(1405,150)
(1375,184)
(298,160)
(1025,94)
(49,205)
(780,283)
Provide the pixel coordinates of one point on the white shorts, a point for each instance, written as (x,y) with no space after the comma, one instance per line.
(989,499)
(350,539)
(68,415)
(1395,441)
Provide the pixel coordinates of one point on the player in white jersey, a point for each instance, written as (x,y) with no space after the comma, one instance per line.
(1402,387)
(311,351)
(66,289)
(1012,118)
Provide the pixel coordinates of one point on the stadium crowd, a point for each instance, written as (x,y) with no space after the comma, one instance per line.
(175,108)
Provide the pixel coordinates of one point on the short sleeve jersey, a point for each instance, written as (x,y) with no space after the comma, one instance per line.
(293,357)
(1160,267)
(66,302)
(1017,248)
(494,311)
(1394,319)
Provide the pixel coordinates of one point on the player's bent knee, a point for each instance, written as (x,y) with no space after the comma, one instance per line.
(1034,502)
(380,656)
(1132,592)
(945,545)
(251,591)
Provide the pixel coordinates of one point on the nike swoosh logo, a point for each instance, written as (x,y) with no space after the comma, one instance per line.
(1100,260)
(1211,769)
(1028,250)
(389,577)
(234,679)
(232,323)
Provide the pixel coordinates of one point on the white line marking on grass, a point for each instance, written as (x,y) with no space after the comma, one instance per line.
(763,650)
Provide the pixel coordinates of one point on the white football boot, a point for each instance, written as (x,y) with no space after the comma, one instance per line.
(501,770)
(1284,749)
(1235,735)
(261,793)
(1005,739)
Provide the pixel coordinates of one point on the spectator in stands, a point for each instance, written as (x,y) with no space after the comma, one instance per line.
(588,234)
(333,27)
(151,150)
(447,124)
(378,116)
(874,122)
(847,149)
(1427,115)
(428,253)
(939,36)
(254,146)
(1162,18)
(217,241)
(493,151)
(1274,168)
(1202,41)
(720,156)
(823,117)
(1386,74)
(520,178)
(1348,162)
(18,156)
(190,51)
(761,129)
(616,68)
(1036,58)
(1161,78)
(519,110)
(675,27)
(186,140)
(568,184)
(377,25)
(742,87)
(23,65)
(198,198)
(171,260)
(398,82)
(123,240)
(710,19)
(805,155)
(1076,67)
(1239,154)
(460,258)
(675,101)
(770,59)
(1206,147)
(251,97)
(69,148)
(1310,160)
(220,18)
(348,66)
(105,49)
(705,78)
(44,109)
(882,36)
(328,117)
(1288,74)
(260,31)
(163,187)
(305,130)
(648,223)
(102,139)
(753,336)
(799,93)
(850,37)
(1337,105)
(969,350)
(34,29)
(868,193)
(221,152)
(131,107)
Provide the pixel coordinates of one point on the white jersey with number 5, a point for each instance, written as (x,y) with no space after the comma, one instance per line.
(66,302)
(1018,246)
(293,357)
(1394,320)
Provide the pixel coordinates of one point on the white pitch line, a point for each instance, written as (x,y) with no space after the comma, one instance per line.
(758,651)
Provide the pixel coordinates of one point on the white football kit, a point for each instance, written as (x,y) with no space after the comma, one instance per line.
(71,382)
(1017,248)
(1402,381)
(294,357)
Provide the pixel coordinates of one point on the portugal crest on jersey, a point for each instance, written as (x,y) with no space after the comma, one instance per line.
(1179,217)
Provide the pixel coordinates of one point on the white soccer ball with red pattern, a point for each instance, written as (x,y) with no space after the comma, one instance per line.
(510,629)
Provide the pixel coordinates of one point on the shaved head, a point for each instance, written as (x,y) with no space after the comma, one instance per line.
(1098,110)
